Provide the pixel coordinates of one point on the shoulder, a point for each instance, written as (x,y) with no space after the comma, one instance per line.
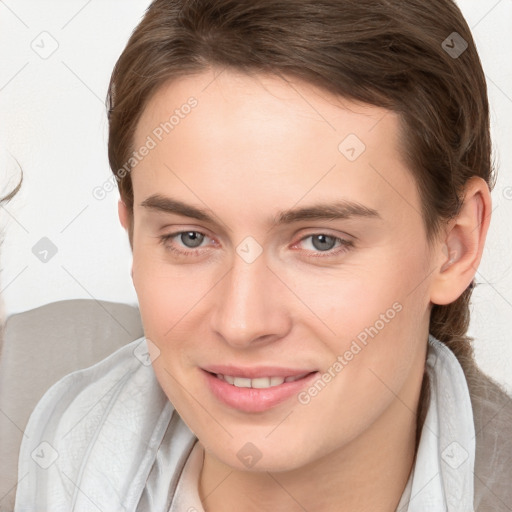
(492,413)
(93,433)
(490,409)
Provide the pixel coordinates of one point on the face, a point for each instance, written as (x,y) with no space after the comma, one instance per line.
(281,266)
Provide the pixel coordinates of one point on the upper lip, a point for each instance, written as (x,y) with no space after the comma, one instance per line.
(256,372)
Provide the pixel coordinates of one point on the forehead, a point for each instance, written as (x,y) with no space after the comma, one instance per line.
(267,102)
(261,135)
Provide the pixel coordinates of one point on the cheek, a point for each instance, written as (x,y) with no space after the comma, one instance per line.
(375,316)
(165,304)
(166,293)
(367,290)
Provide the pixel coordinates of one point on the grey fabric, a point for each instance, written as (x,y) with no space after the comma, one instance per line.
(492,413)
(99,432)
(41,346)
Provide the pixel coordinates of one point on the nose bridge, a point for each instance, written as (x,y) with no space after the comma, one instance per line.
(247,308)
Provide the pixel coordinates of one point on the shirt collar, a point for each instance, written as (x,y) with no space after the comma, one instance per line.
(442,476)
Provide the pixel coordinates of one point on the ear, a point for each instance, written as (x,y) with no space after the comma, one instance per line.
(123,213)
(459,251)
(126,222)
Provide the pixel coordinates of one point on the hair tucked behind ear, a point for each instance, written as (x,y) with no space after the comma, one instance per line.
(450,324)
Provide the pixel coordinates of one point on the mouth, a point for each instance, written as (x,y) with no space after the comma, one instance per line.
(259,382)
(259,392)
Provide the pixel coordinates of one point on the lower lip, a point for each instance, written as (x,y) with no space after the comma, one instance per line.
(254,399)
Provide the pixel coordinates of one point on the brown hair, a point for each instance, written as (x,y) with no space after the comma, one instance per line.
(10,195)
(389,53)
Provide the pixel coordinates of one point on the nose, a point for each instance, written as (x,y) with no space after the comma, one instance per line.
(250,306)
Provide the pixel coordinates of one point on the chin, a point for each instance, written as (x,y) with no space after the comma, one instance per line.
(255,454)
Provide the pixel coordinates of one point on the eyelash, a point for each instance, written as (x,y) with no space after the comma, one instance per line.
(345,245)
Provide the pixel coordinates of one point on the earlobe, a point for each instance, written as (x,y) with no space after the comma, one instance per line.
(460,252)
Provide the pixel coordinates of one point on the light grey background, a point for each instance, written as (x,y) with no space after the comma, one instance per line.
(56,58)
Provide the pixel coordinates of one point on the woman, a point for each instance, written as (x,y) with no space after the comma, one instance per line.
(306,190)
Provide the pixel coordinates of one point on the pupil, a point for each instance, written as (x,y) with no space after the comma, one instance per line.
(323,242)
(195,238)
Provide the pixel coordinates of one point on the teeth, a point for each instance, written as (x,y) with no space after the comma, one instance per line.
(241,382)
(260,382)
(276,381)
(297,377)
(266,382)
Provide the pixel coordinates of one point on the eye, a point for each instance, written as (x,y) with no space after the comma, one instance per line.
(189,243)
(324,243)
(194,237)
(187,239)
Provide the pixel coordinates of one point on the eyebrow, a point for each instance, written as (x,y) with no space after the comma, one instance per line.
(342,209)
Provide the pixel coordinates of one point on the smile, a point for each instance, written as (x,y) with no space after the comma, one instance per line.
(256,393)
(258,383)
